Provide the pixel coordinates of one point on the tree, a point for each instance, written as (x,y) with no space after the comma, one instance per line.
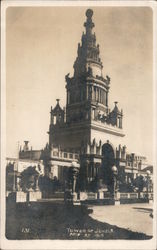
(140,183)
(28,178)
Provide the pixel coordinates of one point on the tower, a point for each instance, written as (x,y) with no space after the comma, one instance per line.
(87,90)
(87,118)
(86,125)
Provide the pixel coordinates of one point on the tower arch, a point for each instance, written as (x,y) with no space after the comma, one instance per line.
(108,161)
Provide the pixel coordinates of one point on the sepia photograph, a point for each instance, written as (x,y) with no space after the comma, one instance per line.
(78,111)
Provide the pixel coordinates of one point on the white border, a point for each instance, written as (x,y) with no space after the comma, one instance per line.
(70,244)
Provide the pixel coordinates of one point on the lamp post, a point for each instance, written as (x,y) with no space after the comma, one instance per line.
(73,174)
(75,170)
(148,174)
(114,171)
(36,183)
(116,195)
(87,174)
(14,176)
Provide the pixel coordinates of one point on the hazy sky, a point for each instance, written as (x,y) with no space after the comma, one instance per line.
(41,47)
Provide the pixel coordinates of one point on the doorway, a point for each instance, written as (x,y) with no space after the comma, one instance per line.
(107,163)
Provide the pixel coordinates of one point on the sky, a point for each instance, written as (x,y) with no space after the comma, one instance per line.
(41,47)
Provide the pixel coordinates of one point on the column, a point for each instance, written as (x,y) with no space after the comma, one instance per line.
(55,171)
(86,92)
(93,171)
(67,97)
(120,152)
(93,114)
(18,184)
(14,181)
(90,172)
(36,183)
(92,93)
(106,98)
(95,94)
(120,122)
(98,95)
(74,184)
(101,94)
(89,93)
(126,179)
(87,170)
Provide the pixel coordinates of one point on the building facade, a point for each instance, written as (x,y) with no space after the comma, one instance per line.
(87,131)
(87,126)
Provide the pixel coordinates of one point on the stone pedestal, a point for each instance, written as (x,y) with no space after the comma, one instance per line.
(116,202)
(75,200)
(17,196)
(118,195)
(20,196)
(100,195)
(74,196)
(34,195)
(83,196)
(150,201)
(117,198)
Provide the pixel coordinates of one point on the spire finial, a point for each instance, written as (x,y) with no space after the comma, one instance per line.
(89,13)
(57,101)
(89,24)
(116,103)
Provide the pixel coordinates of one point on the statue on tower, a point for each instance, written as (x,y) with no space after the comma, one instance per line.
(89,24)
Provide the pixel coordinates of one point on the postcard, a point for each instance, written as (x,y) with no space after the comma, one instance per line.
(78,125)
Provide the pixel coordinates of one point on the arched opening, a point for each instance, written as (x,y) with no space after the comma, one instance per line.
(107,163)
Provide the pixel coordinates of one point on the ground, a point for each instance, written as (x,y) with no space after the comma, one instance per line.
(46,220)
(135,217)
